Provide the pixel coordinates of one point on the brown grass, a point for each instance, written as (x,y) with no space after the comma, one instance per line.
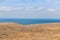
(13,31)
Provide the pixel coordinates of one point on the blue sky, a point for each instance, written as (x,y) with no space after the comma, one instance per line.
(29,8)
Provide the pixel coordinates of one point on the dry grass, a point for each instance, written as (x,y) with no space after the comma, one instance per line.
(13,31)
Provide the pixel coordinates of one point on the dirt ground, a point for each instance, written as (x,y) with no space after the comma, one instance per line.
(12,31)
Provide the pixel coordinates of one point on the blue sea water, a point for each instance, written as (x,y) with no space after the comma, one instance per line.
(29,21)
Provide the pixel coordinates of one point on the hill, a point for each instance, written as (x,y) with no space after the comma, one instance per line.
(14,31)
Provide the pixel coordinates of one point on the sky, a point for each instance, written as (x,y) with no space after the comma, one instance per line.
(30,9)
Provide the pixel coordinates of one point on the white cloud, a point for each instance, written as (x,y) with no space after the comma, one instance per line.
(4,8)
(51,10)
(11,8)
(26,8)
(18,8)
(33,8)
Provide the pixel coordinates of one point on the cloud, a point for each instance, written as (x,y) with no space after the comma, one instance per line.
(33,8)
(19,8)
(30,8)
(4,8)
(51,10)
(10,8)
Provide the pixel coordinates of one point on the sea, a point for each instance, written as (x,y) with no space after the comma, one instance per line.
(29,21)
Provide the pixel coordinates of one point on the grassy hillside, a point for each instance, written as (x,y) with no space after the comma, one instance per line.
(13,31)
